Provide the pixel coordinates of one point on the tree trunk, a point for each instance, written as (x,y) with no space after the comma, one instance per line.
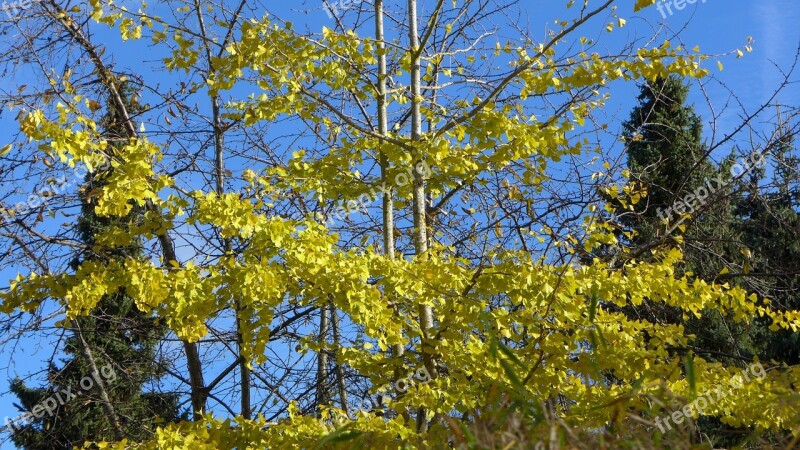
(108,407)
(322,358)
(197,385)
(420,220)
(337,345)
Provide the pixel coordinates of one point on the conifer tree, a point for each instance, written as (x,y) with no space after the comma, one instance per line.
(122,340)
(769,224)
(667,157)
(665,152)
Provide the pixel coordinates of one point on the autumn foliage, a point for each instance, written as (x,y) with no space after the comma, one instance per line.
(528,331)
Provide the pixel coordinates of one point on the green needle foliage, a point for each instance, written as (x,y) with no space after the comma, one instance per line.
(769,223)
(119,336)
(666,156)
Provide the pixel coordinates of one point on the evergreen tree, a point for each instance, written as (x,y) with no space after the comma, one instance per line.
(667,157)
(665,151)
(121,339)
(769,224)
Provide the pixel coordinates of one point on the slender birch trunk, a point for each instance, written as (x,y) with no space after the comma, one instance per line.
(322,357)
(337,345)
(420,219)
(388,206)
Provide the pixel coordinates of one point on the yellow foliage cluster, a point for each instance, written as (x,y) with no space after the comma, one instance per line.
(562,326)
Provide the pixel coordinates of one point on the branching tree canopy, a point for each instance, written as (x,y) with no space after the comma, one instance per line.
(327,214)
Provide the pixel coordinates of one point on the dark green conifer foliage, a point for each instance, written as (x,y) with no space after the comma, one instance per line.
(667,156)
(665,152)
(770,226)
(119,336)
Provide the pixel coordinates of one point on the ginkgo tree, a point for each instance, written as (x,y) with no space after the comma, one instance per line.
(496,307)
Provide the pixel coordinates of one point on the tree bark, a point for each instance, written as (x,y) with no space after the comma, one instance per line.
(420,219)
(337,345)
(322,358)
(198,392)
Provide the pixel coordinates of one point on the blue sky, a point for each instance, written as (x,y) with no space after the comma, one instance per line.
(717,26)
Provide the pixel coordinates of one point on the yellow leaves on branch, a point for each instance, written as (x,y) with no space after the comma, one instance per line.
(566,317)
(551,301)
